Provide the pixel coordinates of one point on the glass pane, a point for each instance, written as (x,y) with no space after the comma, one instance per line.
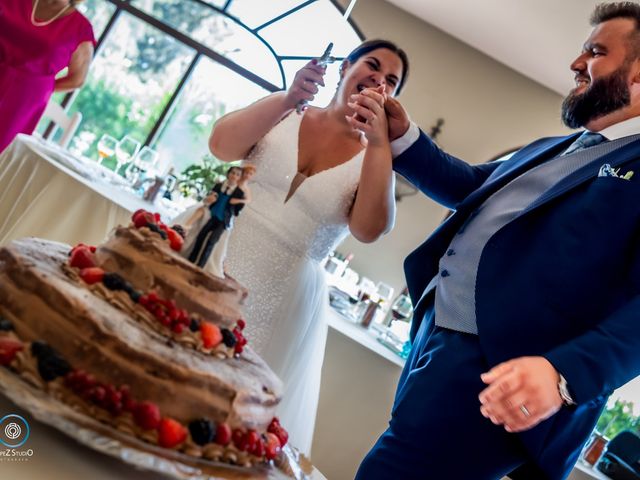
(257,12)
(323,97)
(130,82)
(309,30)
(206,97)
(98,12)
(217,32)
(216,3)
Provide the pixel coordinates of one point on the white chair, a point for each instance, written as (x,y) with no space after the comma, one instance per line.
(68,124)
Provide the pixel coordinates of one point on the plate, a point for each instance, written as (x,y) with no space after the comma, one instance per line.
(290,465)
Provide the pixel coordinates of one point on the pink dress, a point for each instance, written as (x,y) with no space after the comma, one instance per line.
(30,58)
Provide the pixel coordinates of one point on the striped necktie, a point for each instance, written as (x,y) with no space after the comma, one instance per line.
(586,140)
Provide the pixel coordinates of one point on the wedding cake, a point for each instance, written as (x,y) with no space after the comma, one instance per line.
(132,334)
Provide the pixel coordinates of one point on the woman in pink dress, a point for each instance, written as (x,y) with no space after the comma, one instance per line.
(38,38)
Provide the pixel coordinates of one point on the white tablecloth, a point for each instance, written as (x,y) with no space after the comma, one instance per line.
(46,192)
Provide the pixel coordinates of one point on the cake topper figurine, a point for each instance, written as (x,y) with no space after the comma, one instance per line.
(208,224)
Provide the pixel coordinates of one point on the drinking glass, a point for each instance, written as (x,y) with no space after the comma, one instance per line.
(106,147)
(402,309)
(126,149)
(146,160)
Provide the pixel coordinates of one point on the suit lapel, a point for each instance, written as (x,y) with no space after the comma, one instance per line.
(615,158)
(525,159)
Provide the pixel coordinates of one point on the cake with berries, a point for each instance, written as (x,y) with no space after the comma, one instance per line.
(135,336)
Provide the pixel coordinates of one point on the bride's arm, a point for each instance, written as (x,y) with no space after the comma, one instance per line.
(236,133)
(374,208)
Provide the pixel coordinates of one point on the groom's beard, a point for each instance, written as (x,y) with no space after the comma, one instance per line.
(605,95)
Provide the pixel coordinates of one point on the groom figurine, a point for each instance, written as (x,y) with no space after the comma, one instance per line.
(528,297)
(227,203)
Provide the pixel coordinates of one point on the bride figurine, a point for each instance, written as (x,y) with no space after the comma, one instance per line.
(316,182)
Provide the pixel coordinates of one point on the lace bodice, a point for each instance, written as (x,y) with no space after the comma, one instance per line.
(315,218)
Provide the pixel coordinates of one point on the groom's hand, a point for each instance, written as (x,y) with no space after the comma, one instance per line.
(521,393)
(397,118)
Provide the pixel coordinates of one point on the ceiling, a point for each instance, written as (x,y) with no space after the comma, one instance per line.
(538,38)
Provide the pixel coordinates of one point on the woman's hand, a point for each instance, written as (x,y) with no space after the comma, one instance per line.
(305,84)
(369,115)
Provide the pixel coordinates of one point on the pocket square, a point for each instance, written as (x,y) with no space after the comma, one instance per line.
(607,171)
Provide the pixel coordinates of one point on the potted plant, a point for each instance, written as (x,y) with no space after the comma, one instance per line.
(198,179)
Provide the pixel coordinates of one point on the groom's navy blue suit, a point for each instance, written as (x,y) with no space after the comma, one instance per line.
(562,280)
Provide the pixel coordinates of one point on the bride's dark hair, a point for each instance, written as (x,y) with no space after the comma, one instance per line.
(370,45)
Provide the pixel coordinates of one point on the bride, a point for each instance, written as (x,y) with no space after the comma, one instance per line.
(320,176)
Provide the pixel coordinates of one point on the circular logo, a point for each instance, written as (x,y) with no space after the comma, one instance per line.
(14,431)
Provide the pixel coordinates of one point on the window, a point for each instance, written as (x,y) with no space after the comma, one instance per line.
(622,411)
(165,70)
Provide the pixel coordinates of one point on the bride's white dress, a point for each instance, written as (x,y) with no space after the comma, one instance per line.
(275,251)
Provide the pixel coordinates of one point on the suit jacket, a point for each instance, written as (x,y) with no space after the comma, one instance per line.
(230,210)
(561,280)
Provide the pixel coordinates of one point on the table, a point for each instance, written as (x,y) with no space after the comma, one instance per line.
(47,192)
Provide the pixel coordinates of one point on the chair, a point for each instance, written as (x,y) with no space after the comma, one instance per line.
(68,124)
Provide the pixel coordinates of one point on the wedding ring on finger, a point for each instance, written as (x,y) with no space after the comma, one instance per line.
(525,411)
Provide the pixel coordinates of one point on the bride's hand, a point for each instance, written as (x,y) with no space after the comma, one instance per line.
(369,116)
(305,84)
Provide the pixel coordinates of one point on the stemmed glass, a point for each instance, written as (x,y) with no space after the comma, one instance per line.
(146,160)
(106,147)
(126,149)
(141,167)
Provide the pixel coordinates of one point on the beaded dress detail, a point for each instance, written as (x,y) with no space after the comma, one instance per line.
(275,249)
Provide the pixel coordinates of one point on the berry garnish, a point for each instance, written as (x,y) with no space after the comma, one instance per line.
(41,348)
(241,439)
(142,218)
(202,431)
(241,324)
(223,434)
(5,325)
(147,415)
(175,240)
(113,281)
(9,347)
(82,257)
(228,338)
(51,366)
(180,229)
(135,295)
(171,433)
(257,449)
(158,230)
(92,275)
(211,335)
(194,324)
(278,431)
(272,446)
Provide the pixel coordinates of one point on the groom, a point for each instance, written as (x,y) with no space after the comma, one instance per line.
(528,297)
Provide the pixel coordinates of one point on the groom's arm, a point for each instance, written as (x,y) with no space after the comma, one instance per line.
(443,177)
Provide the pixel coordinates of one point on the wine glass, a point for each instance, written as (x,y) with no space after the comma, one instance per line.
(106,147)
(142,168)
(126,149)
(402,309)
(147,159)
